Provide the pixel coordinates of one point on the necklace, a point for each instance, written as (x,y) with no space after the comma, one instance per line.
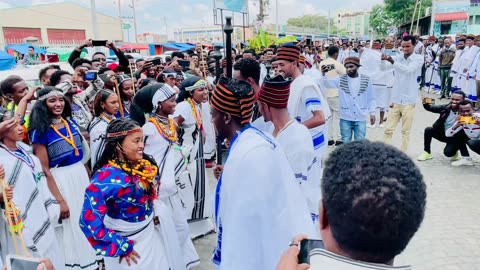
(196,114)
(167,130)
(107,117)
(143,170)
(56,121)
(69,138)
(284,127)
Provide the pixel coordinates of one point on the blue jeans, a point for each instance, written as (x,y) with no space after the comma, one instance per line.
(353,129)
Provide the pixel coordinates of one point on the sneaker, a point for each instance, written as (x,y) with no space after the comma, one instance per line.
(338,143)
(370,125)
(381,125)
(456,157)
(464,161)
(331,142)
(425,156)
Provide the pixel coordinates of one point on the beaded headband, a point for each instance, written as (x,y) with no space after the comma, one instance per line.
(123,133)
(197,85)
(170,75)
(54,93)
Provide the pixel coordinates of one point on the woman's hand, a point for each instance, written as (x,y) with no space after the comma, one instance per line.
(64,210)
(132,257)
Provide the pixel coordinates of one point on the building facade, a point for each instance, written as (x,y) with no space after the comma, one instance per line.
(355,23)
(55,24)
(451,17)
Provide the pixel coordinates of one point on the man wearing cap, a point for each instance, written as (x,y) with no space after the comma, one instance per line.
(405,91)
(356,100)
(259,207)
(306,103)
(292,136)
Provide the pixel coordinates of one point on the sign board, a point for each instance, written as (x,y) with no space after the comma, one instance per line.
(232,5)
(126,26)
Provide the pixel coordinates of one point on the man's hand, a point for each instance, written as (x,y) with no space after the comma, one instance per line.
(5,126)
(111,45)
(387,58)
(85,44)
(391,105)
(31,94)
(289,260)
(217,171)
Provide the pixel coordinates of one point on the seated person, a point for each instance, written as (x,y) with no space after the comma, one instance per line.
(469,122)
(448,114)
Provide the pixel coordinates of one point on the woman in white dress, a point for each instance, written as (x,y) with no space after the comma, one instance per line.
(57,143)
(160,132)
(191,136)
(105,107)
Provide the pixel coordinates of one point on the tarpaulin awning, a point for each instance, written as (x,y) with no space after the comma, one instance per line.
(6,61)
(133,47)
(178,46)
(452,16)
(23,48)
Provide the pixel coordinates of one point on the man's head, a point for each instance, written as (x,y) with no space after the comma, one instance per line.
(46,72)
(248,70)
(268,54)
(231,106)
(307,49)
(456,98)
(139,63)
(344,46)
(273,97)
(351,65)
(447,42)
(31,50)
(432,40)
(469,41)
(408,45)
(373,201)
(477,41)
(461,44)
(198,48)
(101,57)
(466,108)
(96,64)
(249,54)
(333,52)
(13,88)
(177,55)
(82,62)
(287,60)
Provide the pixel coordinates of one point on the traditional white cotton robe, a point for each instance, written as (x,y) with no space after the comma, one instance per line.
(259,206)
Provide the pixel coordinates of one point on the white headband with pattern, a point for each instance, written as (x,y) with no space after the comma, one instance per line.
(163,93)
(54,93)
(197,85)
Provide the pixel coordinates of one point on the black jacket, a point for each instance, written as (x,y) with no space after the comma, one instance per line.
(443,110)
(122,59)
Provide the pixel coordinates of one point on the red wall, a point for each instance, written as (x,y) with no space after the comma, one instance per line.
(59,36)
(17,34)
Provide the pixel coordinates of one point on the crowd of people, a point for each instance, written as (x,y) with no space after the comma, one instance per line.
(107,166)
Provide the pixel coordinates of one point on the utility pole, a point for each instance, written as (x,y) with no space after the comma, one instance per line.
(276,18)
(120,17)
(134,21)
(93,12)
(328,30)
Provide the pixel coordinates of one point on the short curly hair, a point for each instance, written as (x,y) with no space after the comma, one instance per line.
(374,197)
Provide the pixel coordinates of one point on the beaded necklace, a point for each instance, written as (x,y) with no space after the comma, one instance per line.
(69,138)
(107,117)
(170,132)
(196,114)
(143,170)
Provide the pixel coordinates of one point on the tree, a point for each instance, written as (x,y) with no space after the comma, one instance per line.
(402,11)
(315,21)
(380,20)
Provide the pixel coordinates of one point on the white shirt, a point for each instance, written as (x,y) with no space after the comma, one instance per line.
(405,86)
(259,210)
(354,106)
(471,130)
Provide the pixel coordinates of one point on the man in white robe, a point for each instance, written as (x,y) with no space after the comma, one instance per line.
(306,103)
(455,70)
(292,136)
(466,62)
(258,205)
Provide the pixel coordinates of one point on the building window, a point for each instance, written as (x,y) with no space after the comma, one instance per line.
(471,19)
(477,19)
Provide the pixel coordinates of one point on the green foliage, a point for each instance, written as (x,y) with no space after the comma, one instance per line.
(256,41)
(380,20)
(314,21)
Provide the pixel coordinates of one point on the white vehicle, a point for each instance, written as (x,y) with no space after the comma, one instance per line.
(30,73)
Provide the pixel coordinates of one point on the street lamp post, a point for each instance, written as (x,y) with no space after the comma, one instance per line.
(93,12)
(228,29)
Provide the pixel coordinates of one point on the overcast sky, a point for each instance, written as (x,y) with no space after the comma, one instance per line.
(152,14)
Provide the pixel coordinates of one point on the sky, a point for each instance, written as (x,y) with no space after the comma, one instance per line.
(152,14)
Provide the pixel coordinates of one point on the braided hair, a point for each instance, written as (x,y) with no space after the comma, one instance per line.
(41,117)
(110,152)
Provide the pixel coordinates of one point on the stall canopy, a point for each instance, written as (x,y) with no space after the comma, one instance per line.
(452,16)
(64,52)
(23,48)
(6,61)
(133,47)
(178,46)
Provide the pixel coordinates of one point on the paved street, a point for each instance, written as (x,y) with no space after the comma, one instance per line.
(449,238)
